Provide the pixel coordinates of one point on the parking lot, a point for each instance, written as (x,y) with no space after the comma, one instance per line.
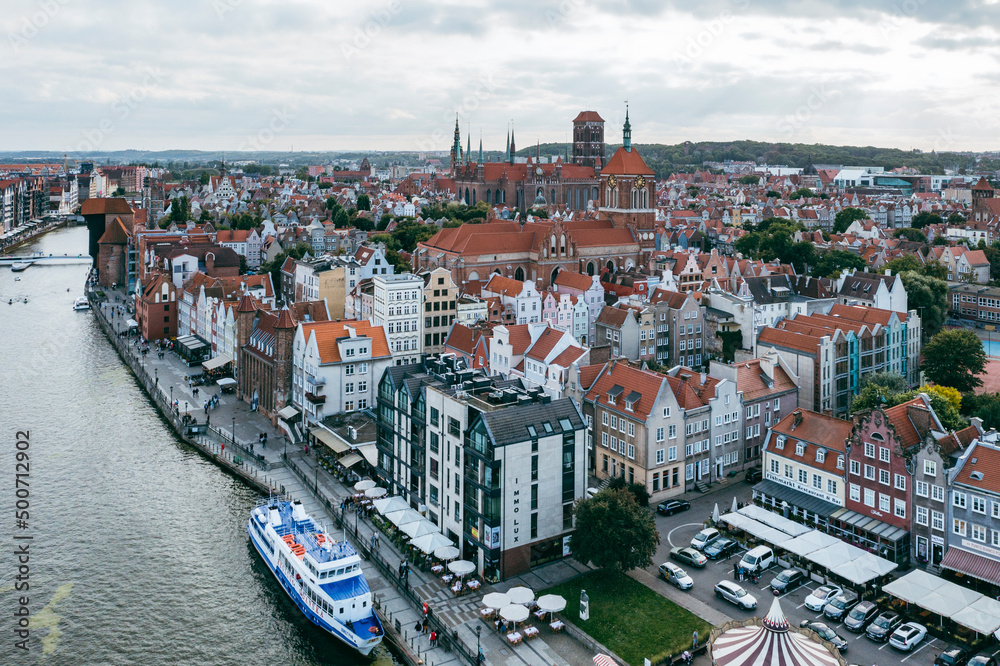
(678,530)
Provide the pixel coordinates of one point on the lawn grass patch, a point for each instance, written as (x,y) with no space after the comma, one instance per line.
(632,620)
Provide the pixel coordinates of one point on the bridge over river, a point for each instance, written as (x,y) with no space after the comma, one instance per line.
(7,260)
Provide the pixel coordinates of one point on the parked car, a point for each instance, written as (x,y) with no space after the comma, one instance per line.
(735,594)
(674,575)
(840,605)
(705,537)
(721,548)
(882,627)
(754,475)
(860,616)
(907,636)
(757,559)
(821,596)
(787,580)
(670,507)
(688,556)
(826,633)
(981,660)
(955,655)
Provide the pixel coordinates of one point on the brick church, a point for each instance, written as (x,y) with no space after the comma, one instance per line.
(621,235)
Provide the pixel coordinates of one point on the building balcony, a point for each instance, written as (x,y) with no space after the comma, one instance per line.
(315,381)
(315,399)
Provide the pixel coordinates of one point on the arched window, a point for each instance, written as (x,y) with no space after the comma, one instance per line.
(552,198)
(519,274)
(562,245)
(555,272)
(635,198)
(593,194)
(466,195)
(473,275)
(503,196)
(590,268)
(473,197)
(611,265)
(553,245)
(489,196)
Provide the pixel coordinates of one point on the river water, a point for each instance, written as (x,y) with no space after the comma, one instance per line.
(139,553)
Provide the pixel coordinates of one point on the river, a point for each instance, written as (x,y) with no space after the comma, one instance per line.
(139,553)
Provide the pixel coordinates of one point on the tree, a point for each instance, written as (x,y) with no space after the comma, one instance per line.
(801,192)
(935,269)
(204,217)
(243,265)
(907,262)
(772,194)
(954,358)
(929,297)
(985,406)
(613,532)
(831,263)
(748,180)
(637,489)
(363,223)
(912,234)
(844,218)
(895,382)
(340,218)
(364,202)
(921,220)
(956,219)
(204,178)
(872,396)
(180,210)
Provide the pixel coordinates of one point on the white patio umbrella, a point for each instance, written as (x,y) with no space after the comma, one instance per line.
(715,513)
(363,485)
(514,613)
(428,543)
(446,553)
(375,493)
(735,505)
(461,567)
(390,504)
(496,600)
(418,528)
(521,595)
(400,518)
(551,603)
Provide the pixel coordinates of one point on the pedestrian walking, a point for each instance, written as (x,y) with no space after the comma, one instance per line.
(434,638)
(425,625)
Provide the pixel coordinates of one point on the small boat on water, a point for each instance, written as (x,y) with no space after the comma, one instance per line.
(19,266)
(321,575)
(81,304)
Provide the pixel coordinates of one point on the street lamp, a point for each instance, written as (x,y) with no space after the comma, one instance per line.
(234,433)
(479,651)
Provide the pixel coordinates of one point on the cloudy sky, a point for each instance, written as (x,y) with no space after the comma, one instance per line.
(390,74)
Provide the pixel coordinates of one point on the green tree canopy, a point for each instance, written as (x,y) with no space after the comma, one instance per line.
(921,220)
(929,297)
(954,358)
(985,406)
(912,234)
(801,192)
(637,489)
(893,381)
(340,218)
(956,219)
(613,532)
(832,262)
(748,180)
(844,218)
(364,202)
(907,262)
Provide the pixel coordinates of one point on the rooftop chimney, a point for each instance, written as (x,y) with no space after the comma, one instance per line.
(796,418)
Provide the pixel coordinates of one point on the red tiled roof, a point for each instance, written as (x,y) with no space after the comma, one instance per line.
(630,378)
(519,337)
(573,280)
(814,431)
(544,344)
(568,356)
(115,234)
(627,163)
(988,463)
(750,381)
(499,284)
(899,417)
(110,206)
(328,332)
(588,116)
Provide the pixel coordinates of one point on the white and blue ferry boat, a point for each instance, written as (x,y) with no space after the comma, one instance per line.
(321,575)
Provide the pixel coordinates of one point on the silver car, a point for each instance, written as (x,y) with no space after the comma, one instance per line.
(735,594)
(675,575)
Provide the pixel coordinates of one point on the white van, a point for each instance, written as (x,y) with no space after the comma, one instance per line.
(758,559)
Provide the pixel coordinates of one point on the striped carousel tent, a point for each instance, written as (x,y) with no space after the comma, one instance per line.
(771,642)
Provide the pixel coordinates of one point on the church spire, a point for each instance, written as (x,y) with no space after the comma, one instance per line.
(512,148)
(627,132)
(480,147)
(456,147)
(468,145)
(506,151)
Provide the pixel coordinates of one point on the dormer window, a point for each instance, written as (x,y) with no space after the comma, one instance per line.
(800,449)
(780,442)
(840,462)
(820,455)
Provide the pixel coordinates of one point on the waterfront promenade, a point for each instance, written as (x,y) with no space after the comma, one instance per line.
(288,469)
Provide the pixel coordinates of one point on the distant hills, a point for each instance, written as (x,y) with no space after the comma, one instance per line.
(664,159)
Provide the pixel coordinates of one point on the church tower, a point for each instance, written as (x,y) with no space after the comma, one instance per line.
(628,191)
(588,139)
(456,148)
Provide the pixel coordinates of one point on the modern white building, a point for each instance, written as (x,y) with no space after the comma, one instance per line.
(397,304)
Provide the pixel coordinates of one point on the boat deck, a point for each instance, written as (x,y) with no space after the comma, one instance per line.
(310,537)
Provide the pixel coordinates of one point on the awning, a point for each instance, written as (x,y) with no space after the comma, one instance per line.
(288,413)
(350,460)
(796,498)
(226,381)
(972,564)
(217,362)
(771,519)
(132,323)
(370,453)
(869,524)
(331,440)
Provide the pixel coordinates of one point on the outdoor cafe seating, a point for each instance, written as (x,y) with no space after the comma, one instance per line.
(437,568)
(557,626)
(530,632)
(514,638)
(487,613)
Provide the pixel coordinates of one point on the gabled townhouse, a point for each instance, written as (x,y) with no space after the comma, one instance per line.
(933,472)
(470,343)
(440,307)
(973,266)
(804,467)
(548,359)
(245,242)
(680,330)
(589,289)
(336,366)
(618,327)
(523,297)
(874,290)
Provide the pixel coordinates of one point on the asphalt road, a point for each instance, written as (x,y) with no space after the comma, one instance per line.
(677,530)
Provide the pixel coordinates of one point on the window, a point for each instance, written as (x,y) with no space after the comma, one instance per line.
(855,491)
(958,527)
(930,468)
(979,533)
(659,434)
(689,472)
(869,472)
(921,488)
(869,497)
(883,454)
(788,471)
(869,450)
(937,521)
(817,482)
(820,455)
(672,432)
(883,502)
(775,466)
(979,504)
(899,508)
(604,418)
(672,453)
(803,476)
(958,499)
(921,517)
(631,429)
(883,476)
(937,493)
(996,509)
(800,448)
(855,467)
(840,461)
(604,439)
(660,456)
